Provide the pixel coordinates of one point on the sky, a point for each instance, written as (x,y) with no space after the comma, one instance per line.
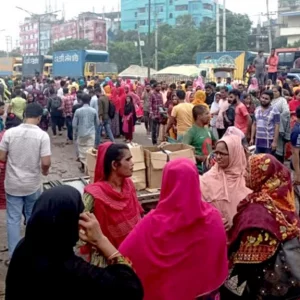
(11,17)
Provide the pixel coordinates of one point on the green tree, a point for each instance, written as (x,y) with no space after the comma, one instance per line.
(238,28)
(179,44)
(280,42)
(70,44)
(296,44)
(124,54)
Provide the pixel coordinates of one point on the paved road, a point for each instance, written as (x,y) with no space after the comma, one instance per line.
(63,166)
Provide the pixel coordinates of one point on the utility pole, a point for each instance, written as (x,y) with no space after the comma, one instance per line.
(258,34)
(156,40)
(149,37)
(8,44)
(217,26)
(224,25)
(269,27)
(140,49)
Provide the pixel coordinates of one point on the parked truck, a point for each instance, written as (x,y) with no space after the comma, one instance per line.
(207,62)
(37,65)
(11,66)
(80,63)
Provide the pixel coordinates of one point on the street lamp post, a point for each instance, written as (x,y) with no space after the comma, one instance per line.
(38,18)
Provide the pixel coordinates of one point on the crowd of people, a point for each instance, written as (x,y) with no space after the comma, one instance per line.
(226,227)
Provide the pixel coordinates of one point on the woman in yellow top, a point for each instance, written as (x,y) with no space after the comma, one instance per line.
(199,98)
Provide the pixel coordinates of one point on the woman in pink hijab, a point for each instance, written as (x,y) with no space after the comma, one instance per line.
(224,184)
(179,249)
(253,85)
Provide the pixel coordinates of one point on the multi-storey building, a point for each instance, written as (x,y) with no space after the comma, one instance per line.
(64,30)
(36,33)
(289,20)
(97,28)
(135,13)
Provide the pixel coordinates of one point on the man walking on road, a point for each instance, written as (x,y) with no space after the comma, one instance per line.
(26,149)
(104,119)
(273,61)
(85,125)
(260,64)
(155,103)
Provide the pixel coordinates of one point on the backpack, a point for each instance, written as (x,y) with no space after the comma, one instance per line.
(111,110)
(55,102)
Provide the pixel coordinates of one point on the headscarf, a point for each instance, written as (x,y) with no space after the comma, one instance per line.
(214,109)
(115,99)
(211,159)
(200,98)
(253,85)
(232,130)
(107,90)
(44,264)
(269,179)
(121,99)
(174,245)
(117,212)
(224,105)
(199,83)
(271,208)
(187,96)
(129,107)
(226,188)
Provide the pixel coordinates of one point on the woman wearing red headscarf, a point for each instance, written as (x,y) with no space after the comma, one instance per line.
(112,198)
(122,101)
(179,249)
(115,122)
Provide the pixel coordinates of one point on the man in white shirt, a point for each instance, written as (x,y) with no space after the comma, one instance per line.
(26,149)
(60,91)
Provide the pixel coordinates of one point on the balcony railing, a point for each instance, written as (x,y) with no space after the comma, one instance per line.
(289,3)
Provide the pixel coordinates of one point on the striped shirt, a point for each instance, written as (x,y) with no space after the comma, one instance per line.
(266,120)
(85,121)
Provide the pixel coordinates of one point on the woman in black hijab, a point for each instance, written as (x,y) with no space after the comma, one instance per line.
(44,266)
(129,119)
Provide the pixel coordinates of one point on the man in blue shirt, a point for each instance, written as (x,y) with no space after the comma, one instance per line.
(295,141)
(85,123)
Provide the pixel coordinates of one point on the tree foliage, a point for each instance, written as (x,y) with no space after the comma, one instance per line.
(176,45)
(280,42)
(14,53)
(70,44)
(295,45)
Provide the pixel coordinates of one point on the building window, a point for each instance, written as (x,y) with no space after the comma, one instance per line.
(160,9)
(207,6)
(195,6)
(135,26)
(171,2)
(171,16)
(142,9)
(142,22)
(135,14)
(159,21)
(181,7)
